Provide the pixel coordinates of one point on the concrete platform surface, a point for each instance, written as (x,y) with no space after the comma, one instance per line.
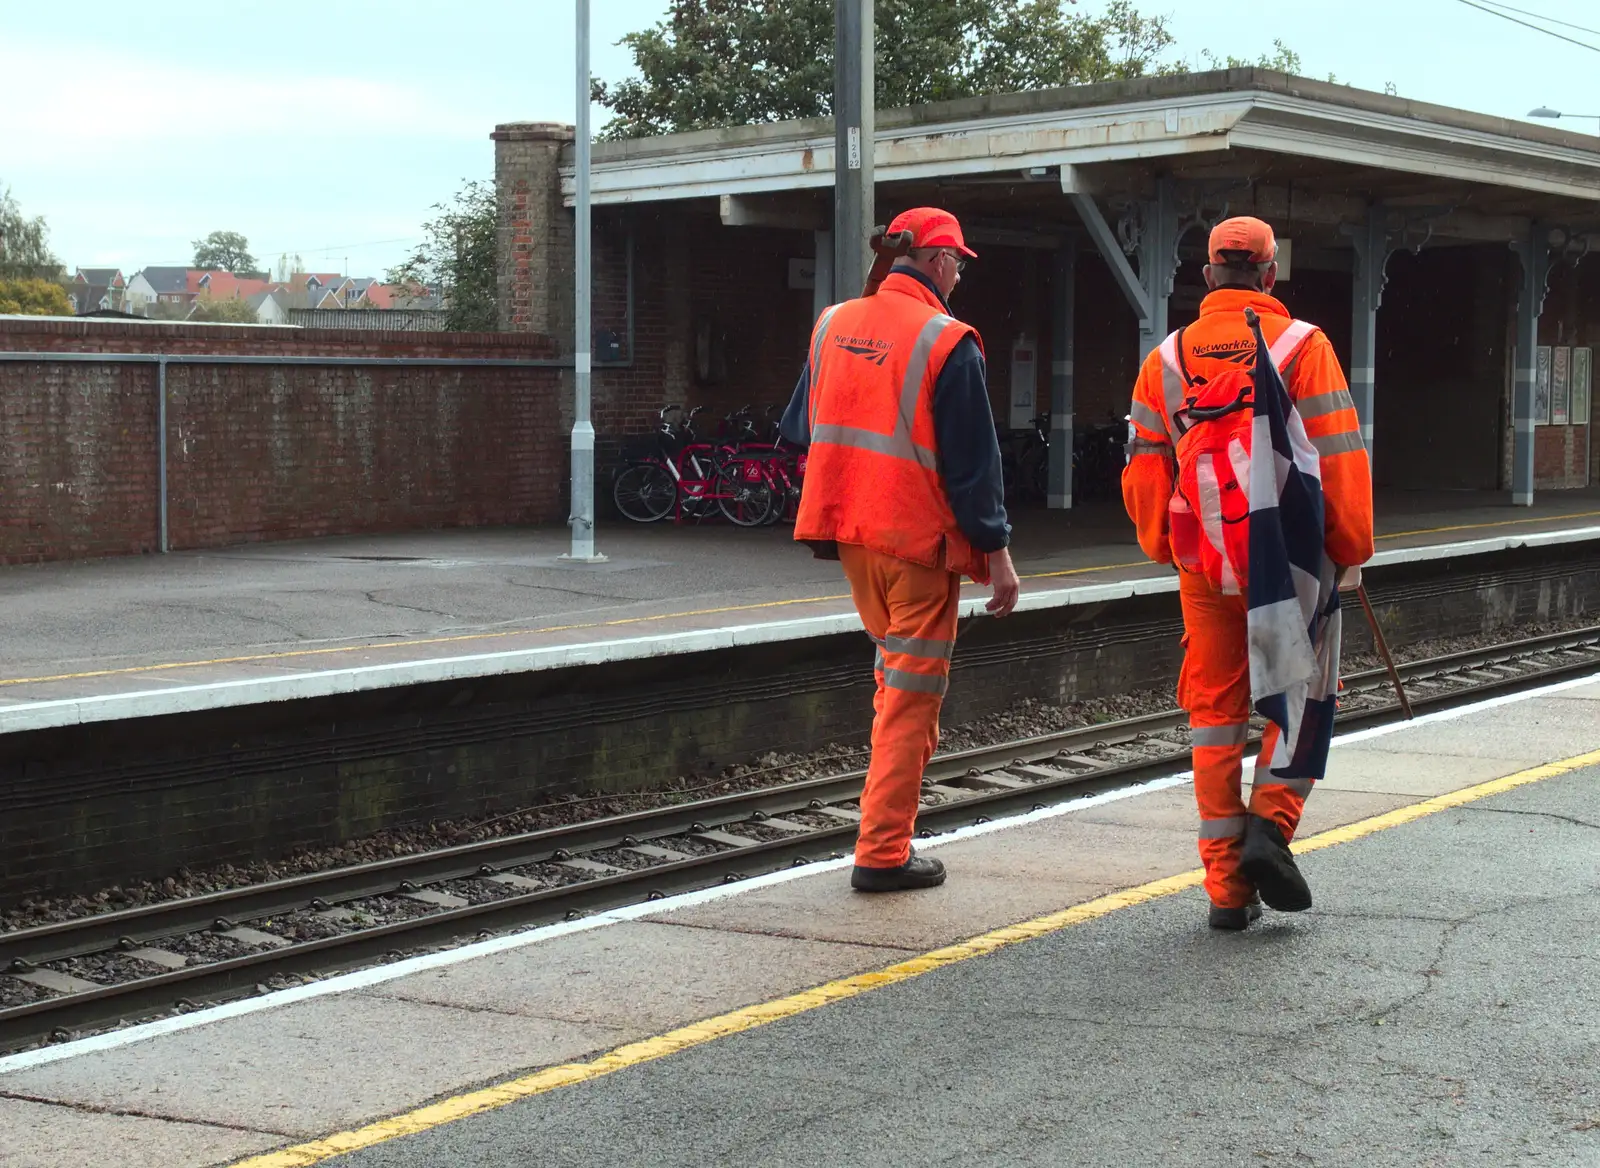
(1435,1007)
(133,637)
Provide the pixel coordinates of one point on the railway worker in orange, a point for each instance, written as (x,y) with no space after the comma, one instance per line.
(903,487)
(1244,848)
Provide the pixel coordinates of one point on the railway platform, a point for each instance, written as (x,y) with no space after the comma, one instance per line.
(129,638)
(1059,1000)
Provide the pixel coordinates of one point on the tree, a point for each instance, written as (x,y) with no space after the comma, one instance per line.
(1282,58)
(24,246)
(31,296)
(717,63)
(457,257)
(224,251)
(287,266)
(223,310)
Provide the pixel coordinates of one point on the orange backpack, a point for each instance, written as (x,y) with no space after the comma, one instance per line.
(1208,518)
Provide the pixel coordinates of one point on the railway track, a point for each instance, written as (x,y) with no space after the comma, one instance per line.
(103,970)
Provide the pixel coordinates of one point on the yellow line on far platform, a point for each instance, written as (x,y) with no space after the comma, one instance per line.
(700,1033)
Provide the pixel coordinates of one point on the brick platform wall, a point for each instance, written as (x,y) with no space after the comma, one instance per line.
(265,452)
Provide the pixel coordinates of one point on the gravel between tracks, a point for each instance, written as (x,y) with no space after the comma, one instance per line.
(1025,719)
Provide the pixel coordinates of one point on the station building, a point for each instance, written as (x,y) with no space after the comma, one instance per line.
(1440,249)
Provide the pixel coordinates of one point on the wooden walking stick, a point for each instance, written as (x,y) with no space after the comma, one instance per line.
(1383,651)
(886,249)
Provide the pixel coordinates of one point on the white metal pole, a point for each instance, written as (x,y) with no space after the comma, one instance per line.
(582,509)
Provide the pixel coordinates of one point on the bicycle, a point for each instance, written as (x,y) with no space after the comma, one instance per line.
(675,472)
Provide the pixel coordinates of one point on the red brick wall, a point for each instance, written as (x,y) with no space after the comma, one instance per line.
(264,452)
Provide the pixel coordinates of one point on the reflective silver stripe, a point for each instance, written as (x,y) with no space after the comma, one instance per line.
(1325,403)
(877,660)
(921,647)
(1148,418)
(1230,828)
(1265,778)
(818,336)
(891,444)
(1233,735)
(1346,443)
(917,369)
(1171,381)
(1288,341)
(904,679)
(1145,446)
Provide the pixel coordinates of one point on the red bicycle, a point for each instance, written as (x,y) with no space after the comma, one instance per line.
(675,472)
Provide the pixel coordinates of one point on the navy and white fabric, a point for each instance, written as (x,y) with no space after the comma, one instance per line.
(1294,620)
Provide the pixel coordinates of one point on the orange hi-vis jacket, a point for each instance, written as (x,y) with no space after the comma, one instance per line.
(1316,385)
(872,472)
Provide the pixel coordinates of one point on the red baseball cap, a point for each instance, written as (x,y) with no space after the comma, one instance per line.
(931,227)
(1243,234)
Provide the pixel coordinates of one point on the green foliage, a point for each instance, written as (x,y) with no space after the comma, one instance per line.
(1282,58)
(224,251)
(223,310)
(31,296)
(24,247)
(457,258)
(735,62)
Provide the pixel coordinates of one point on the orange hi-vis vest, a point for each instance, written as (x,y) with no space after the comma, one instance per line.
(872,471)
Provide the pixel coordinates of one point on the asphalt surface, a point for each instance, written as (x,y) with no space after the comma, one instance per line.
(1438,1007)
(194,606)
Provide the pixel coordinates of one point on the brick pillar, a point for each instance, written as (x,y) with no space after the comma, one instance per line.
(535,241)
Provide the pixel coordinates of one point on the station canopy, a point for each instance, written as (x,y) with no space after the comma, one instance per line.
(1240,141)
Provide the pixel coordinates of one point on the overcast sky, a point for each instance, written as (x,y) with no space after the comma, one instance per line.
(330,130)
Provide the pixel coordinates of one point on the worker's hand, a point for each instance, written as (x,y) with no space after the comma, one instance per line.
(1006,585)
(1350,578)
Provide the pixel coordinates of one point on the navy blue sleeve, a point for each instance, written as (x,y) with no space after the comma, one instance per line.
(969,449)
(795,425)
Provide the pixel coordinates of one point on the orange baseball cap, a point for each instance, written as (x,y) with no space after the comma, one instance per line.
(931,227)
(1243,234)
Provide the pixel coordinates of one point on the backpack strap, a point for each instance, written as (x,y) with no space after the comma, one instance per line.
(1174,380)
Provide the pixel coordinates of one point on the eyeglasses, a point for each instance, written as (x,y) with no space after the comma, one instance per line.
(961,261)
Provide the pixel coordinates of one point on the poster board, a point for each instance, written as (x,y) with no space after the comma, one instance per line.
(1560,385)
(1581,371)
(1541,386)
(1024,382)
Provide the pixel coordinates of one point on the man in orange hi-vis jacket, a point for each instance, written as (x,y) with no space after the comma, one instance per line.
(1244,849)
(903,487)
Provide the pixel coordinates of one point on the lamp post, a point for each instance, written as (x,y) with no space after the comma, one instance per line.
(581,511)
(1545,111)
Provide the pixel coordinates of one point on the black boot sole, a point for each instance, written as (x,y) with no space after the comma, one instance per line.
(1281,886)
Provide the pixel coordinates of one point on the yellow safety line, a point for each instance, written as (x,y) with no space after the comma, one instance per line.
(1496,523)
(288,654)
(699,1033)
(631,620)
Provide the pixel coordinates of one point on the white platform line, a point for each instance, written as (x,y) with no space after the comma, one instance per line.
(365,978)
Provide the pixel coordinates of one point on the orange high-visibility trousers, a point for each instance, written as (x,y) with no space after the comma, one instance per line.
(1214,687)
(910,611)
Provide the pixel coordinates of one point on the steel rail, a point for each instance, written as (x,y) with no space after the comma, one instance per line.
(1567,654)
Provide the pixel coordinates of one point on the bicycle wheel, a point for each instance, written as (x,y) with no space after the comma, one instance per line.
(644,492)
(745,504)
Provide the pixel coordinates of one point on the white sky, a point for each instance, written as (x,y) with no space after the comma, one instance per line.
(331,130)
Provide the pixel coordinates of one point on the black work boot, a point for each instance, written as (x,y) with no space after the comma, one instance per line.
(1268,863)
(916,872)
(1235,919)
